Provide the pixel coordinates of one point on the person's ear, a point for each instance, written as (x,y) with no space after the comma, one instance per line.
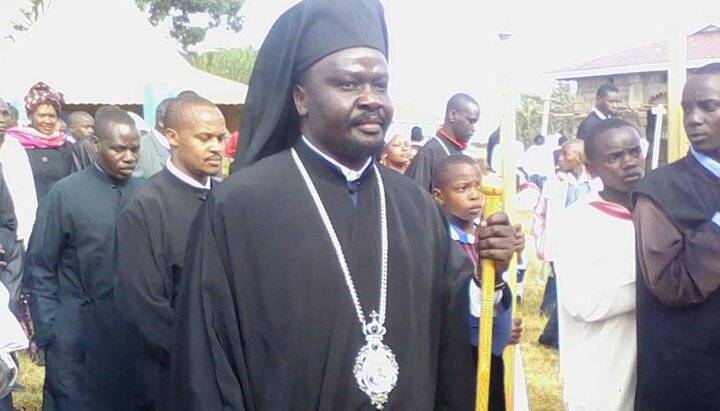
(452,115)
(173,137)
(301,100)
(438,196)
(95,142)
(589,169)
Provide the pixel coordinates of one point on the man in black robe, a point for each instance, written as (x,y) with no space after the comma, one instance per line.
(461,114)
(82,126)
(153,230)
(71,276)
(607,100)
(264,316)
(677,218)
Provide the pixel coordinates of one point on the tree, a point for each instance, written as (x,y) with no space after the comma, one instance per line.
(224,13)
(221,12)
(528,118)
(232,64)
(30,14)
(561,109)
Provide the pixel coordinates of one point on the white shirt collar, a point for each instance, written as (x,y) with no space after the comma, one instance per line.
(186,178)
(707,162)
(161,139)
(572,180)
(350,175)
(600,114)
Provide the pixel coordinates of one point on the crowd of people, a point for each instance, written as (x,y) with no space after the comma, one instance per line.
(338,267)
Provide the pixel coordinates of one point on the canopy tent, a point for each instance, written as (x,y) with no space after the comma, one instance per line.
(105,52)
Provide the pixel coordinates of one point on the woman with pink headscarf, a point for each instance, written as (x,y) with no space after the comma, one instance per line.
(49,151)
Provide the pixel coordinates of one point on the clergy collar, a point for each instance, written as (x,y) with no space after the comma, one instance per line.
(707,162)
(600,114)
(161,139)
(349,174)
(104,176)
(186,178)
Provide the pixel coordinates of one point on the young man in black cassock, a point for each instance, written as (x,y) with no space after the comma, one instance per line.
(314,279)
(461,114)
(152,233)
(677,220)
(71,276)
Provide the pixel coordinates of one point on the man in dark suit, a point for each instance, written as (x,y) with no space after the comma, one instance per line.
(607,100)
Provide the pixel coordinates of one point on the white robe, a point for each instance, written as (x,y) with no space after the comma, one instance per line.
(12,336)
(21,185)
(595,266)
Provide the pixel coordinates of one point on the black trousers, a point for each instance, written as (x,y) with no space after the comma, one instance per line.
(6,404)
(497,381)
(550,308)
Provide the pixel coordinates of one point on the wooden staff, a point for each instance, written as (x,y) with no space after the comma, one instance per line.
(492,186)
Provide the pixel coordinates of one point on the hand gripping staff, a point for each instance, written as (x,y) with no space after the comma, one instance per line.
(493,188)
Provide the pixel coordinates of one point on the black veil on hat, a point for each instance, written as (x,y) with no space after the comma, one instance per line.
(303,35)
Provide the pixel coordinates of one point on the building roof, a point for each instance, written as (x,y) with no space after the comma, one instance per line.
(702,47)
(105,52)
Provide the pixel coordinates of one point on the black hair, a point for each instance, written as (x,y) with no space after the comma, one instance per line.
(77,116)
(712,68)
(442,171)
(539,139)
(107,117)
(14,114)
(592,142)
(416,134)
(188,93)
(177,109)
(459,102)
(606,88)
(161,110)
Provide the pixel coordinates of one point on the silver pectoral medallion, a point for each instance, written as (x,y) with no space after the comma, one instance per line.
(376,369)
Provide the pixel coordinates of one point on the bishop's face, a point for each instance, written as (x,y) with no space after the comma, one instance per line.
(344,104)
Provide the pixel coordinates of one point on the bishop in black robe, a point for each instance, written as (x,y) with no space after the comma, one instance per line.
(152,233)
(70,276)
(265,320)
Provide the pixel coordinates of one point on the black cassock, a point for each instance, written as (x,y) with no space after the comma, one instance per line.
(152,233)
(422,165)
(70,275)
(265,320)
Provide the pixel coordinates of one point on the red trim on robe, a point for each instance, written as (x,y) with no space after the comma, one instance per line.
(452,139)
(612,209)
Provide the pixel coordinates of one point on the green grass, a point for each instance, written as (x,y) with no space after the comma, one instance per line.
(541,364)
(31,377)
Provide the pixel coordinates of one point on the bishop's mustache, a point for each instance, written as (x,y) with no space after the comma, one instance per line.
(371,117)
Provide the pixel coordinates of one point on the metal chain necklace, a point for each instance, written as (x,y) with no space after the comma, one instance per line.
(376,369)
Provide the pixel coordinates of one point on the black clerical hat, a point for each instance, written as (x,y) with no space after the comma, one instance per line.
(303,35)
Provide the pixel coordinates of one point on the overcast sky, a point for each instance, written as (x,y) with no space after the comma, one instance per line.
(438,48)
